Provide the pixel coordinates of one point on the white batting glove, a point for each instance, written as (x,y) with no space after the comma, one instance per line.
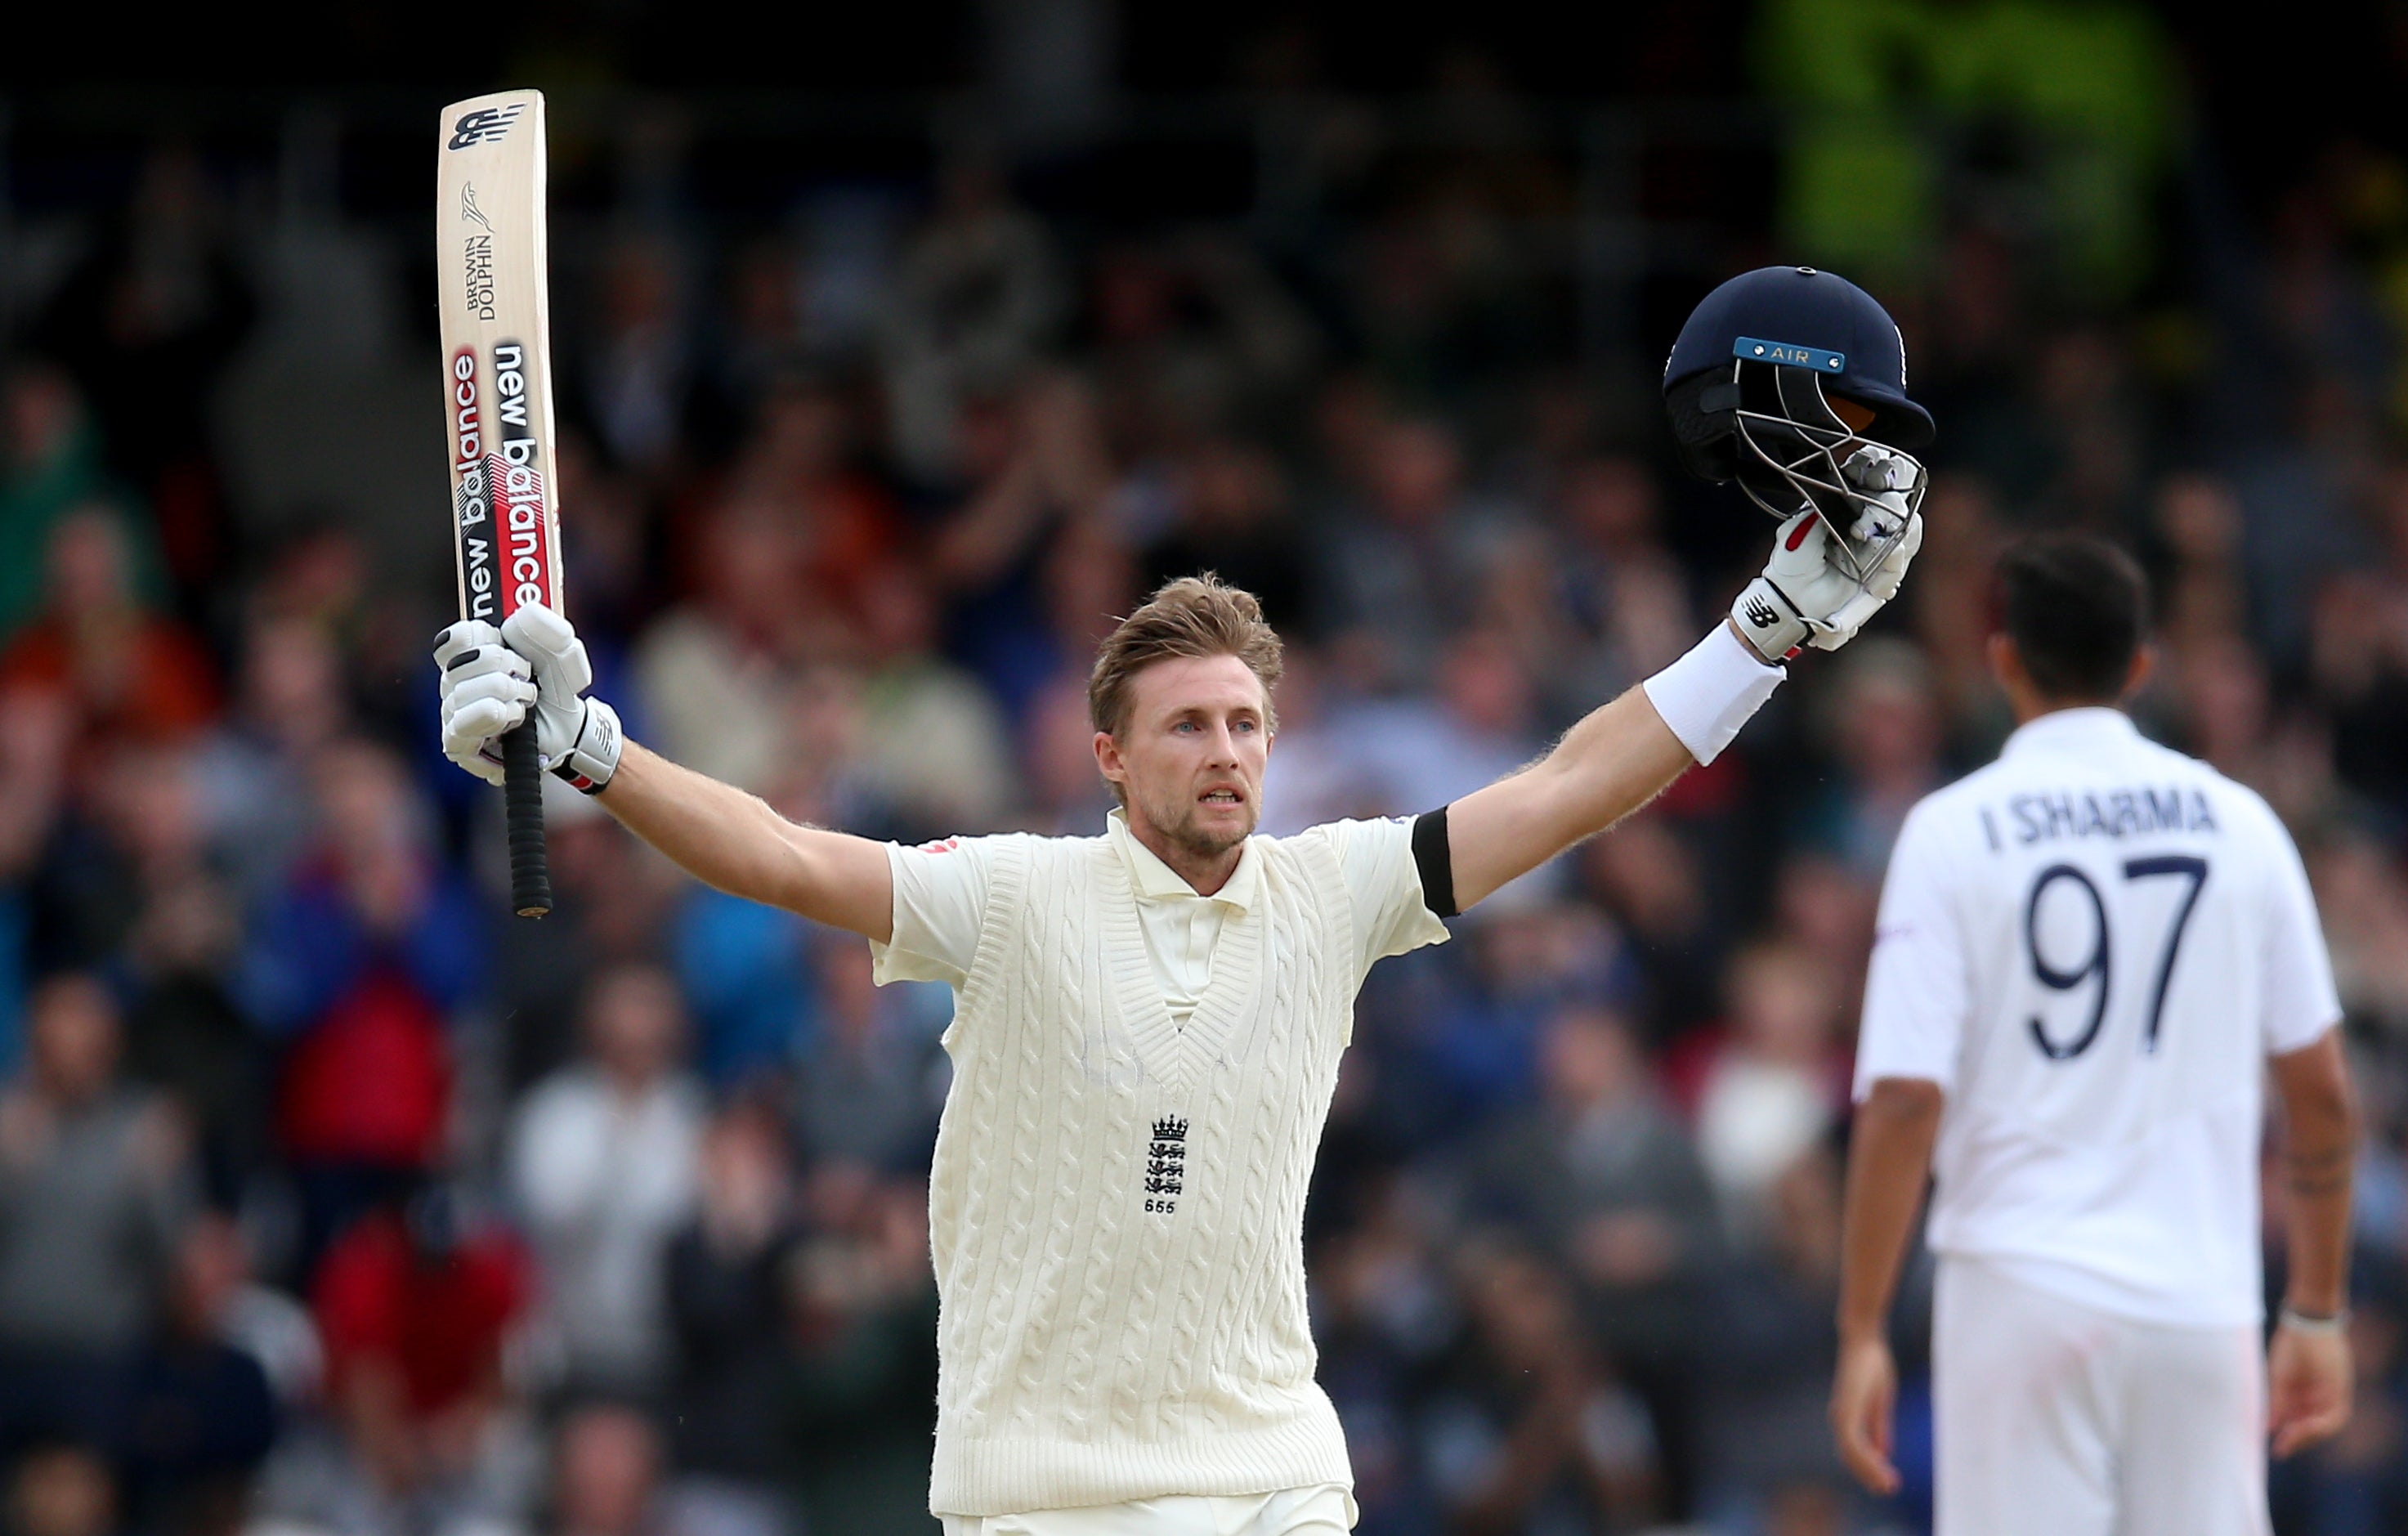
(486,689)
(1809,593)
(492,676)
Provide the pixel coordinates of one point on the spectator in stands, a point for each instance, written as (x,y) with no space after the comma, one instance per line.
(1396,573)
(1773,1084)
(49,464)
(709,673)
(862,1411)
(932,737)
(130,673)
(354,966)
(418,1305)
(184,1032)
(146,322)
(1038,475)
(254,770)
(36,735)
(1532,1432)
(639,378)
(199,1415)
(869,1089)
(63,1488)
(729,1297)
(801,462)
(1232,515)
(1765,1362)
(1606,1184)
(1884,730)
(606,1475)
(94,1190)
(603,1167)
(1475,726)
(1622,598)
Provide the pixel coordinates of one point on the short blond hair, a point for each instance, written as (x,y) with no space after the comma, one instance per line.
(1193,616)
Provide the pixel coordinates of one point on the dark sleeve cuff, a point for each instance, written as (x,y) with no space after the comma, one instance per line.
(1436,862)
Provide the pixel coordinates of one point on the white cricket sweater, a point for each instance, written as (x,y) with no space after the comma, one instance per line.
(1116,1205)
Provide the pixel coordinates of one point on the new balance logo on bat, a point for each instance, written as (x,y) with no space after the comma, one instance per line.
(517,482)
(485,125)
(473,511)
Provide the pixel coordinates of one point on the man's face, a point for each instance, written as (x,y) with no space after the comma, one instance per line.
(1190,760)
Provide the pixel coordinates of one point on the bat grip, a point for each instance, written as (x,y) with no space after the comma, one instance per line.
(523,810)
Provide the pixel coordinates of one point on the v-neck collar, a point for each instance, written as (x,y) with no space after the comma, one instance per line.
(1173,1054)
(1151,879)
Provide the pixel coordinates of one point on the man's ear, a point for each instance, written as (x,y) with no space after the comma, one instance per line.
(2005,665)
(1108,758)
(2145,666)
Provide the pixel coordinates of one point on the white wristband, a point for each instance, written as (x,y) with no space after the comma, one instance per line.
(2313,1328)
(1709,692)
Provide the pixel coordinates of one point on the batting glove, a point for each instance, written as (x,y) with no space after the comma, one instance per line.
(1812,592)
(492,677)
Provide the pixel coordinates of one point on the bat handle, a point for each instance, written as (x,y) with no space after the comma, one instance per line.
(523,808)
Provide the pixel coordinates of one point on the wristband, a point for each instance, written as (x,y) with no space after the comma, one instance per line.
(1709,692)
(2312,1327)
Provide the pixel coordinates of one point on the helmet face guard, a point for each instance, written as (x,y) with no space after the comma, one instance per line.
(1790,452)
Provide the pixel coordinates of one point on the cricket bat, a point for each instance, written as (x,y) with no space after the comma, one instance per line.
(496,329)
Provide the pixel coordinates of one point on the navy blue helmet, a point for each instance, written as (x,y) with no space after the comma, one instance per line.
(1749,387)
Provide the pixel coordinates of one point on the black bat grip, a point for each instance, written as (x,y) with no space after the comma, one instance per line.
(523,810)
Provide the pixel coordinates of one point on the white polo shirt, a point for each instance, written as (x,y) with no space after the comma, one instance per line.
(2092,946)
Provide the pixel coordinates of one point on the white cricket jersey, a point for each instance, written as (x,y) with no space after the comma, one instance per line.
(2092,946)
(1116,1196)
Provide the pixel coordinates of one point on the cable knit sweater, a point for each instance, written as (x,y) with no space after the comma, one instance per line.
(1116,1205)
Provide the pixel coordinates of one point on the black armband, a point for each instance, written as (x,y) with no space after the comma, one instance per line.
(1436,861)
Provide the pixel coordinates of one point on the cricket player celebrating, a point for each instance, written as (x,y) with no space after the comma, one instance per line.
(1148,1022)
(2088,955)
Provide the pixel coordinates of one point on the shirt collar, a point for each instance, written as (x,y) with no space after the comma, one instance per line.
(2092,723)
(1154,880)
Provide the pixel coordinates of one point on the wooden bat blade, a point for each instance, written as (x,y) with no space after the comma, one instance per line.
(492,262)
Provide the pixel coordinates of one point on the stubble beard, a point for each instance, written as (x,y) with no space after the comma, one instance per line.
(1188,837)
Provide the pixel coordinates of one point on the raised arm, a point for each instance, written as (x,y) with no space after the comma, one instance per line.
(733,841)
(721,836)
(1615,760)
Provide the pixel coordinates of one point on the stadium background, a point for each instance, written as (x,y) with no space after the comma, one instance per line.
(899,348)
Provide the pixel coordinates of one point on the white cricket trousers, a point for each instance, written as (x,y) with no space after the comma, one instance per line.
(2055,1419)
(1319,1511)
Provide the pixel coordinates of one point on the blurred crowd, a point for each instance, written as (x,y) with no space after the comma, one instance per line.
(336,1202)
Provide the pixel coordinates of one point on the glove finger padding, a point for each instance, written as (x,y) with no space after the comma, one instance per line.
(486,692)
(495,660)
(550,642)
(1885,575)
(462,637)
(1880,584)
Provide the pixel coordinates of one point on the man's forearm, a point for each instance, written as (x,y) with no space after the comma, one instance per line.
(2319,1147)
(1889,1157)
(734,841)
(1615,760)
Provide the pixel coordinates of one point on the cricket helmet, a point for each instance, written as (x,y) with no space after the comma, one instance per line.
(1749,387)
